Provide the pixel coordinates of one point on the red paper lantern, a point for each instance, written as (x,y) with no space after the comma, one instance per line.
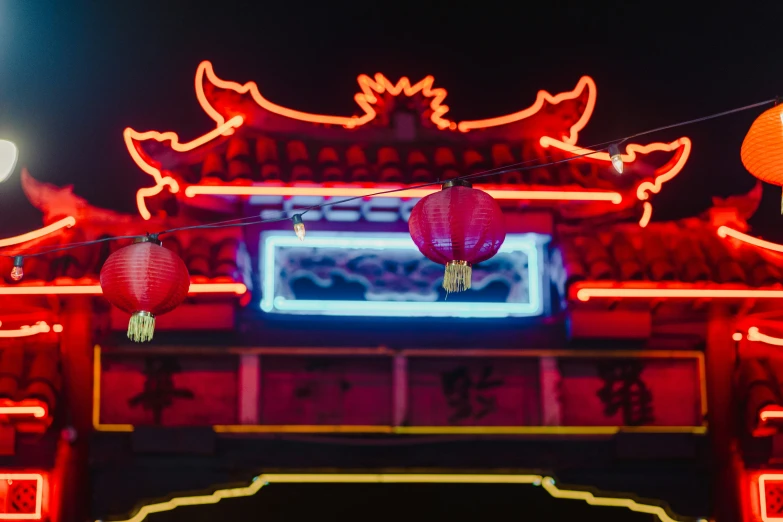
(762,149)
(457,227)
(145,280)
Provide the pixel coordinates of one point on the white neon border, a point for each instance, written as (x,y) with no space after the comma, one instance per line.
(38,478)
(277,304)
(763,495)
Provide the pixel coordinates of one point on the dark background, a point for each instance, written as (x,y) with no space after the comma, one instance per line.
(74,74)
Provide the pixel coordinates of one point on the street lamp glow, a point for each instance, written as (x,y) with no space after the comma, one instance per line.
(8,156)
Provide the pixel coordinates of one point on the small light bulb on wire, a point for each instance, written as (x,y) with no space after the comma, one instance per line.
(17,272)
(617,160)
(299,227)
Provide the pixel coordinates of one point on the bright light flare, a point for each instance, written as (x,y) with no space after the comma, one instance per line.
(8,156)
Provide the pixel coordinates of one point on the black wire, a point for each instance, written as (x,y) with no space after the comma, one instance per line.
(514,167)
(74,245)
(220,224)
(699,120)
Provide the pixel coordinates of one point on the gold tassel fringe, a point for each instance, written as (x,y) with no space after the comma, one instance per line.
(457,278)
(141,327)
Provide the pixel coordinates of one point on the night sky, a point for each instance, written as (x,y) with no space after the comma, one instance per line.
(74,74)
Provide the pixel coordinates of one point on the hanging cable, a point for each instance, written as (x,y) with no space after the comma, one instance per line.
(611,146)
(698,120)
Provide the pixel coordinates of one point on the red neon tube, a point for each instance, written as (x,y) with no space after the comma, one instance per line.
(589,290)
(92,289)
(503,194)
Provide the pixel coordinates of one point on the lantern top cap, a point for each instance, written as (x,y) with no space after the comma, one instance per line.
(149,238)
(456,183)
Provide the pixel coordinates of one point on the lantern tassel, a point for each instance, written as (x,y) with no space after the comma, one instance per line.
(457,277)
(781,204)
(141,327)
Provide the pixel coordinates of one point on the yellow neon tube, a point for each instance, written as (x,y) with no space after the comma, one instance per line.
(402,478)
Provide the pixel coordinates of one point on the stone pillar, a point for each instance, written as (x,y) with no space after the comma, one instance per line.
(720,363)
(76,353)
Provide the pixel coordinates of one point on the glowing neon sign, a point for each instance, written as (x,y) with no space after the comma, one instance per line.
(41,327)
(35,407)
(667,172)
(756,336)
(770,412)
(548,483)
(725,231)
(226,124)
(525,301)
(365,99)
(95,289)
(585,84)
(590,290)
(132,137)
(763,485)
(503,192)
(29,512)
(35,234)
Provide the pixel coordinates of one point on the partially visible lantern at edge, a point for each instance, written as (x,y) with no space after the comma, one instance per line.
(762,149)
(457,227)
(145,280)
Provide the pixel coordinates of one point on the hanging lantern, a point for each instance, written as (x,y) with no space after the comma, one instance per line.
(145,280)
(762,149)
(457,227)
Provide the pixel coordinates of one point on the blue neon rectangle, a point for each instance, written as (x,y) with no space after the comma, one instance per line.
(271,302)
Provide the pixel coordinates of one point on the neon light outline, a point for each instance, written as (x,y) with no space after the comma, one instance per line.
(646,214)
(130,135)
(364,99)
(270,303)
(724,231)
(447,430)
(765,414)
(35,234)
(38,478)
(763,496)
(646,187)
(95,289)
(756,336)
(381,84)
(585,82)
(34,407)
(353,191)
(583,292)
(260,481)
(30,330)
(549,485)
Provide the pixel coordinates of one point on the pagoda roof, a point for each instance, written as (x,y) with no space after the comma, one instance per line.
(213,257)
(562,115)
(685,258)
(403,136)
